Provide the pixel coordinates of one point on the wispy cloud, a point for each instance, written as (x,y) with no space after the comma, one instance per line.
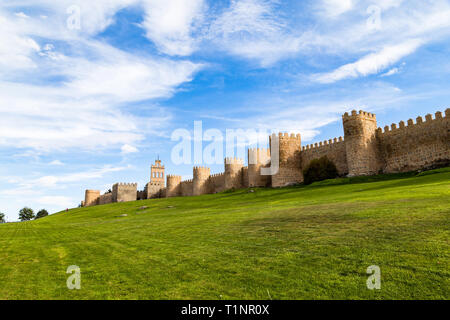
(126,148)
(56,163)
(370,64)
(84,109)
(252,29)
(170,24)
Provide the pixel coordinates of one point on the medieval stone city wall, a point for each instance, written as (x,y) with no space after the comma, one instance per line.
(123,192)
(360,142)
(187,188)
(173,188)
(258,158)
(217,183)
(152,190)
(290,171)
(234,173)
(201,178)
(414,146)
(105,198)
(365,150)
(91,198)
(333,149)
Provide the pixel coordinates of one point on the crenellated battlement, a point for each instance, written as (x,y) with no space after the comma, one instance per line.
(173,188)
(325,143)
(201,172)
(429,120)
(234,161)
(258,156)
(173,177)
(365,149)
(124,184)
(217,175)
(288,136)
(358,115)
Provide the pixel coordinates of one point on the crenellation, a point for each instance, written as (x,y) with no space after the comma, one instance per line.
(416,146)
(360,136)
(365,149)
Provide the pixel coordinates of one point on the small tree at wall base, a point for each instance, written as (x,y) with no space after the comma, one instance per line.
(2,218)
(26,214)
(42,213)
(319,169)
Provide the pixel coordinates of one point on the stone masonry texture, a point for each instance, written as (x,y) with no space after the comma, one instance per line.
(365,149)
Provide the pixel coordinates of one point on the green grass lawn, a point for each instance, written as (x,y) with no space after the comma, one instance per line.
(312,242)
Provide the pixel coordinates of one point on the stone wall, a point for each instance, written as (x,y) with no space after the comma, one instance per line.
(152,190)
(91,198)
(187,188)
(415,146)
(105,198)
(360,143)
(290,171)
(201,177)
(244,176)
(233,173)
(123,192)
(365,150)
(217,183)
(333,149)
(258,159)
(173,186)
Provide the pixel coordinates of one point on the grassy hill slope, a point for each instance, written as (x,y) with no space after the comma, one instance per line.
(312,242)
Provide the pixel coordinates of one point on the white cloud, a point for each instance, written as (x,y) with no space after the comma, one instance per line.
(126,148)
(59,201)
(170,24)
(55,181)
(85,110)
(372,63)
(251,29)
(21,15)
(333,8)
(391,72)
(56,163)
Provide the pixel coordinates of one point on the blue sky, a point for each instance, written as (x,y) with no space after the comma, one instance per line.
(90,106)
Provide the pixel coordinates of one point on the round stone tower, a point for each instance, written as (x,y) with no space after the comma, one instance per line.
(200,181)
(289,159)
(360,143)
(91,198)
(257,159)
(233,173)
(173,186)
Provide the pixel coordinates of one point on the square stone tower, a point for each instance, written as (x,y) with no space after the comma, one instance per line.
(157,181)
(157,175)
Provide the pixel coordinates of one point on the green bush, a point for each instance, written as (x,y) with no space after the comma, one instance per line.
(42,213)
(26,214)
(319,169)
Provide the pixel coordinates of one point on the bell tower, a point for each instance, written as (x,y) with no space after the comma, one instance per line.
(157,174)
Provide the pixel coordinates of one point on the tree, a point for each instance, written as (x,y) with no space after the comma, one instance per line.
(42,213)
(2,218)
(319,169)
(26,214)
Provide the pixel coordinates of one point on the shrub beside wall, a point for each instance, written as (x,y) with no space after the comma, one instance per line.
(319,169)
